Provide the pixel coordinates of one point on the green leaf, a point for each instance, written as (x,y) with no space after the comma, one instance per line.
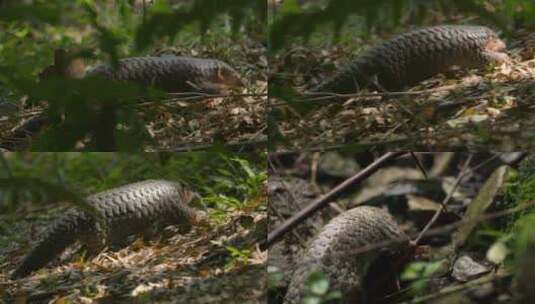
(317,283)
(479,205)
(312,300)
(22,32)
(418,270)
(54,192)
(290,6)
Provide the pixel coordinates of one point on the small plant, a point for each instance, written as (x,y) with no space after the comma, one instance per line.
(238,256)
(237,186)
(419,272)
(317,289)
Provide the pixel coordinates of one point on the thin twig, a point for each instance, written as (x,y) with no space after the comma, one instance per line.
(419,164)
(446,200)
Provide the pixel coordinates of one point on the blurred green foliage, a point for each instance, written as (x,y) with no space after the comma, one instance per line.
(163,21)
(418,273)
(517,192)
(225,181)
(292,21)
(510,240)
(86,105)
(237,257)
(507,238)
(317,290)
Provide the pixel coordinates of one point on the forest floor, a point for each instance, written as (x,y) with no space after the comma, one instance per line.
(203,266)
(239,117)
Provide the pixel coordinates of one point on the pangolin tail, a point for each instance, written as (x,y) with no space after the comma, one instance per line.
(59,236)
(350,79)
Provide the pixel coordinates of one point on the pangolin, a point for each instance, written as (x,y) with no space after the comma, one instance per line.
(133,209)
(330,252)
(417,55)
(173,73)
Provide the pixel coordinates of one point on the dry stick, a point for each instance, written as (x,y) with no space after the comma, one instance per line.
(443,229)
(394,129)
(447,228)
(446,200)
(419,164)
(324,200)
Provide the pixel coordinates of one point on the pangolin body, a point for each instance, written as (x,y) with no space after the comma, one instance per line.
(330,252)
(132,209)
(172,73)
(417,55)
